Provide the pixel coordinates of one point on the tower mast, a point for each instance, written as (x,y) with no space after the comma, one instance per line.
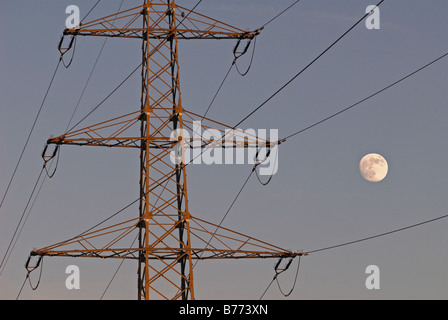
(162,113)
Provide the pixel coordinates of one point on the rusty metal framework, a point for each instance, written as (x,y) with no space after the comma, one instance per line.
(170,237)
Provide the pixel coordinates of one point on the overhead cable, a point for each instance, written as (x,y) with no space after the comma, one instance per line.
(278,15)
(367,98)
(377,236)
(30,132)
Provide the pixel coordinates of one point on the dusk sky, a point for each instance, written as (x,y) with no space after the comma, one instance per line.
(317,199)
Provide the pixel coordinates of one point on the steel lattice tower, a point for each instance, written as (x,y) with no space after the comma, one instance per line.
(170,238)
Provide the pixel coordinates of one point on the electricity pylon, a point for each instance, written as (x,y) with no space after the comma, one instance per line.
(169,237)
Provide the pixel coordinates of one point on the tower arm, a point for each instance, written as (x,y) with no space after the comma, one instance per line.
(190,25)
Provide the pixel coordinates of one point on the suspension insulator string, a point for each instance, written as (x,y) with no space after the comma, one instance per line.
(63,51)
(47,159)
(295,280)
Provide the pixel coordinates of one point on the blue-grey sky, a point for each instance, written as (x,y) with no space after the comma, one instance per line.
(317,199)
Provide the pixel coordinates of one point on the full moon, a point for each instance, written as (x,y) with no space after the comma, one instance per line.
(373,167)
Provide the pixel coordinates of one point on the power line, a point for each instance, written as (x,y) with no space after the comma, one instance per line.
(27,215)
(31,132)
(197,4)
(367,98)
(21,288)
(378,235)
(351,243)
(227,212)
(85,86)
(266,290)
(278,15)
(94,6)
(107,97)
(219,89)
(24,222)
(91,72)
(9,249)
(305,68)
